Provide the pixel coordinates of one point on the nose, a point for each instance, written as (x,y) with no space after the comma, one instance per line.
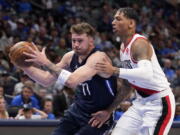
(75,44)
(113,22)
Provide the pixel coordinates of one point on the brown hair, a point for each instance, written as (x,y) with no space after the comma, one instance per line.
(83,28)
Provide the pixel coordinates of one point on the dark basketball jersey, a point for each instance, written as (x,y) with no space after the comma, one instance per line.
(95,94)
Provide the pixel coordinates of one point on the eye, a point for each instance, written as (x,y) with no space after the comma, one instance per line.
(119,19)
(73,40)
(79,41)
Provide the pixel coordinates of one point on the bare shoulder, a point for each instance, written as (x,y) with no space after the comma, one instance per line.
(69,54)
(139,43)
(98,56)
(141,49)
(95,58)
(66,59)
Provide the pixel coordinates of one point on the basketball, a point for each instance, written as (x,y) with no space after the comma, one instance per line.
(16,53)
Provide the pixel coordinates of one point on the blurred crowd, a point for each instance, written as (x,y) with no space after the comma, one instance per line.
(47,23)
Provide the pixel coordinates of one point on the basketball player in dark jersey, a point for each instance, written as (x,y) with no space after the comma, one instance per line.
(93,91)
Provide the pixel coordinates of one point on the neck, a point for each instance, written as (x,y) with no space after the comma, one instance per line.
(26,101)
(127,38)
(84,56)
(2,114)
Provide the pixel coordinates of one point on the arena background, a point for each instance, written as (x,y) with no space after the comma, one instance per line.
(47,23)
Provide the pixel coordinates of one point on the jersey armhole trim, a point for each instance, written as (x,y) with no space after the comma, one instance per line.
(132,59)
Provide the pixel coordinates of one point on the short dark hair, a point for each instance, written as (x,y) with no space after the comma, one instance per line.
(27,107)
(83,28)
(129,13)
(28,87)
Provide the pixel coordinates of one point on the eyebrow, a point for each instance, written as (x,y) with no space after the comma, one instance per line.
(77,38)
(116,16)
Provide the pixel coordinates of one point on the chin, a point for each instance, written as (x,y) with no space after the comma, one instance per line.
(78,53)
(116,32)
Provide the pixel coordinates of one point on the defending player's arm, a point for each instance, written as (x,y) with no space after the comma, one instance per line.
(123,93)
(141,52)
(100,117)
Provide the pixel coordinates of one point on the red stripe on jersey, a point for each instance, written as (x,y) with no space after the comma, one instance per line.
(144,90)
(167,118)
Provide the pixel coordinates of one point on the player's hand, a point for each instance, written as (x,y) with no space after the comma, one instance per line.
(36,56)
(105,67)
(99,118)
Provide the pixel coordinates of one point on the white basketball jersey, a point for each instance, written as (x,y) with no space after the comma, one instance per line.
(158,82)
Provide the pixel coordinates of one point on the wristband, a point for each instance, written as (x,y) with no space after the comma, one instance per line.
(63,77)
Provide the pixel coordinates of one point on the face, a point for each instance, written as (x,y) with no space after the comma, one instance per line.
(48,106)
(27,93)
(42,93)
(28,114)
(2,104)
(120,24)
(81,43)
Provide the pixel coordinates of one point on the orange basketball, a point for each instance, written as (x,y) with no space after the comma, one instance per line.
(16,53)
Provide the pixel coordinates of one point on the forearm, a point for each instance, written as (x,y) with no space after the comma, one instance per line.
(143,71)
(122,94)
(40,76)
(77,77)
(52,68)
(43,114)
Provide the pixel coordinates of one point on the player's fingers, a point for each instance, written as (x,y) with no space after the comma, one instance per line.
(98,65)
(100,69)
(91,120)
(35,46)
(32,51)
(100,124)
(104,60)
(101,63)
(44,50)
(30,60)
(94,114)
(95,123)
(29,55)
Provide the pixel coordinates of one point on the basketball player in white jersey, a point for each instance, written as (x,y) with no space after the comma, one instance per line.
(153,109)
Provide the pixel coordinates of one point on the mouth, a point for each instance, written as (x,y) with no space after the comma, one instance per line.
(114,29)
(77,50)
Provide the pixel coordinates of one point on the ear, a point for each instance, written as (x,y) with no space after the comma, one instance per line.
(91,40)
(131,23)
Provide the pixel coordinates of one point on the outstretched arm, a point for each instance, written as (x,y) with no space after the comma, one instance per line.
(142,53)
(48,76)
(60,75)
